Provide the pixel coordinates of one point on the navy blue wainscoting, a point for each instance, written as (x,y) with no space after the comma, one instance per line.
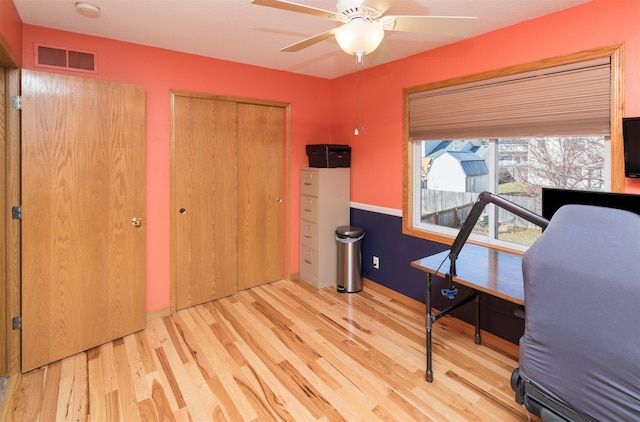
(384,239)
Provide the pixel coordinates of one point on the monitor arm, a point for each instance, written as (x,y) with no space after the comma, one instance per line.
(483,199)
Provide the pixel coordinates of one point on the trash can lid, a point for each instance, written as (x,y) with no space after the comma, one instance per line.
(349,231)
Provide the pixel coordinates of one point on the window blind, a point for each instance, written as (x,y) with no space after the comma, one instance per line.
(573,99)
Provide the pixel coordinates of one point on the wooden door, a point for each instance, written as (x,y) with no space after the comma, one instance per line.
(10,193)
(5,209)
(260,194)
(204,203)
(83,183)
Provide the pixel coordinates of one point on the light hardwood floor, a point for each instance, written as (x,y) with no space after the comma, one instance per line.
(283,351)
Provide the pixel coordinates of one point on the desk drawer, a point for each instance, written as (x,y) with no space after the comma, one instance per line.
(309,234)
(309,208)
(309,182)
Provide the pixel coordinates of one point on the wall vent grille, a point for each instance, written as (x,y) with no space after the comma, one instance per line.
(62,58)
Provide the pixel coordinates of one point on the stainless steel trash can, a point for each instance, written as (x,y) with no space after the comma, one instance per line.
(349,240)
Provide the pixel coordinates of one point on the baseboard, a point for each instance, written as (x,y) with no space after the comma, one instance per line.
(294,276)
(158,313)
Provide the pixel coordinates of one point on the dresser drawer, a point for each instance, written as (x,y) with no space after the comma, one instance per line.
(309,234)
(309,182)
(309,260)
(309,208)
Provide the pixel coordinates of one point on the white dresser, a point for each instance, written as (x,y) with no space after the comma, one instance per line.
(324,206)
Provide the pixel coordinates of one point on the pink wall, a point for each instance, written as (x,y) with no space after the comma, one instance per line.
(377,153)
(323,110)
(160,71)
(11,29)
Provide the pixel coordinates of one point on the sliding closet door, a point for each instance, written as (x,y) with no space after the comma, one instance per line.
(227,207)
(204,206)
(260,194)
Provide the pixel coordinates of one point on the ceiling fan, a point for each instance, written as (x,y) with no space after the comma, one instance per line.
(364,24)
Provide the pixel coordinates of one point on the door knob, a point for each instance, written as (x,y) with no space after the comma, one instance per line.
(279,200)
(136,222)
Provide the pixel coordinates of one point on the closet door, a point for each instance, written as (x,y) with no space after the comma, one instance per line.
(227,206)
(204,205)
(83,230)
(260,194)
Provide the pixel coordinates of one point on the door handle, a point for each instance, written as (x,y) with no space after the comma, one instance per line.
(136,221)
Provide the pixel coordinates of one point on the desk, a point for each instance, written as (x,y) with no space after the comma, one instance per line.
(482,270)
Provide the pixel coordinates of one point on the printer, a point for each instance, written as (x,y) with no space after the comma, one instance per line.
(329,155)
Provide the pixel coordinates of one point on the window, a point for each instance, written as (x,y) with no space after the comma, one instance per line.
(453,173)
(554,123)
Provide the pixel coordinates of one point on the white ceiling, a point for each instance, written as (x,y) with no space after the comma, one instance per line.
(239,31)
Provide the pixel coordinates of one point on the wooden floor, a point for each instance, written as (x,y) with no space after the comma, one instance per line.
(283,351)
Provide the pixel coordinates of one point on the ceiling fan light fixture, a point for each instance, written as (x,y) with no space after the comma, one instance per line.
(359,37)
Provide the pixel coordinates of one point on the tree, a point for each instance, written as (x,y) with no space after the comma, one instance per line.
(566,162)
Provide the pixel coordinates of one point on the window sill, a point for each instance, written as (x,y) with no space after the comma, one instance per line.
(448,240)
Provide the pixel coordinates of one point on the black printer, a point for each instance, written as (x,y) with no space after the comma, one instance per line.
(329,155)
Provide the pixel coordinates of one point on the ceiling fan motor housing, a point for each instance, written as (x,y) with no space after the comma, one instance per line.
(348,10)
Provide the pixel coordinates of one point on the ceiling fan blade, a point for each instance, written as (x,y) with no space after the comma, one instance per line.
(295,7)
(455,26)
(308,42)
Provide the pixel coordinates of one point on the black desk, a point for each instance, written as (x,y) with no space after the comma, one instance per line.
(482,270)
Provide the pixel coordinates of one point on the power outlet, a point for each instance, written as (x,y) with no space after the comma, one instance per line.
(376,262)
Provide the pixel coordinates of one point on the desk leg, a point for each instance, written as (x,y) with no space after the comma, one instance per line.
(428,324)
(478,340)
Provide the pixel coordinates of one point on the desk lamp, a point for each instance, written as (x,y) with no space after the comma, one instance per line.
(484,199)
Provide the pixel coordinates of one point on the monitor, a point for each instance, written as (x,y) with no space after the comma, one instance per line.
(631,140)
(553,198)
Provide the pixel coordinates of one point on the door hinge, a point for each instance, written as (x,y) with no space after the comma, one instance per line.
(16,102)
(16,323)
(16,212)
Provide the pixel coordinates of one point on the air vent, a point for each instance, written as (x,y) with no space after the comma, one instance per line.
(61,58)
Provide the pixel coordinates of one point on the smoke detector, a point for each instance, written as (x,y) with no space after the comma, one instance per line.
(89,10)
